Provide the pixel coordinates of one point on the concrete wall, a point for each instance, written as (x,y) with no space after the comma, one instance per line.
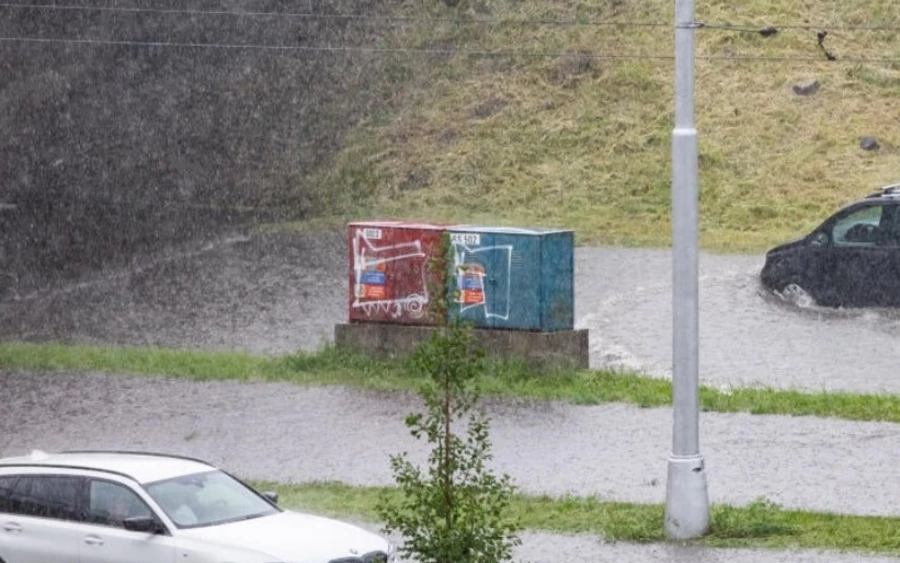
(540,349)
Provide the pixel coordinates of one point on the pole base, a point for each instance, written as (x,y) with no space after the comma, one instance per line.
(687,501)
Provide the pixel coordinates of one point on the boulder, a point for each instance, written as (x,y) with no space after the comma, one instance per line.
(869,144)
(806,88)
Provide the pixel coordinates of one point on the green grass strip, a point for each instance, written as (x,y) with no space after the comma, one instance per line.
(147,361)
(761,524)
(331,366)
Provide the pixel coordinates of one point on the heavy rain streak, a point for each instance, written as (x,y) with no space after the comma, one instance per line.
(169,175)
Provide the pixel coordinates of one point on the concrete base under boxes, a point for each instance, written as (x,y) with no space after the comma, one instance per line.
(563,347)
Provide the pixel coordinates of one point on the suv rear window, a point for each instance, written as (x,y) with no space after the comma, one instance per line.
(46,496)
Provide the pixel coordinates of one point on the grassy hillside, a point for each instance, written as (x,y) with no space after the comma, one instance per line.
(544,125)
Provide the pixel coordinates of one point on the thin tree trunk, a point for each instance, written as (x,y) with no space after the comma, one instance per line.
(448,496)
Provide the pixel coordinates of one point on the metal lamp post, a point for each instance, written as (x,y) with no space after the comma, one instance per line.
(687,501)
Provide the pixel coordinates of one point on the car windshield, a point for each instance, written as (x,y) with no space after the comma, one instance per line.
(206,499)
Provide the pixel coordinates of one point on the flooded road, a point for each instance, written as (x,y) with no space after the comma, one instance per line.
(748,337)
(547,548)
(279,293)
(261,294)
(539,547)
(613,451)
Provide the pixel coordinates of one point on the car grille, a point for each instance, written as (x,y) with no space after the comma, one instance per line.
(371,557)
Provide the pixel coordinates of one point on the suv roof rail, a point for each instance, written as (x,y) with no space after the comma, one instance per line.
(890,190)
(133,452)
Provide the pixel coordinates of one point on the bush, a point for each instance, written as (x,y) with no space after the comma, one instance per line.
(454,511)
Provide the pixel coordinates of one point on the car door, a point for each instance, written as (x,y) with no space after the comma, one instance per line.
(105,539)
(856,262)
(39,522)
(8,527)
(889,242)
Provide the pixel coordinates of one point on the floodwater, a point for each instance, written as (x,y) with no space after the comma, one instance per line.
(748,336)
(612,451)
(547,548)
(270,294)
(539,547)
(279,293)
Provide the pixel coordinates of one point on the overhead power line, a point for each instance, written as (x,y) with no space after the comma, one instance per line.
(331,48)
(428,51)
(313,15)
(750,28)
(743,27)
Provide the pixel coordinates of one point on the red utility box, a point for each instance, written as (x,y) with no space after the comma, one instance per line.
(390,275)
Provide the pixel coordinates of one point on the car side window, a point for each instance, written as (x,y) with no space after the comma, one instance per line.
(109,504)
(47,496)
(6,485)
(859,228)
(889,229)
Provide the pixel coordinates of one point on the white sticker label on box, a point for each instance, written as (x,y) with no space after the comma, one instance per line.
(468,239)
(372,234)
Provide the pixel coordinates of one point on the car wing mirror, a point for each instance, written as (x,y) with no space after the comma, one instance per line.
(145,524)
(819,239)
(272,496)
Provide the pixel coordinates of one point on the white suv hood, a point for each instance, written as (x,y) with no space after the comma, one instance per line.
(292,537)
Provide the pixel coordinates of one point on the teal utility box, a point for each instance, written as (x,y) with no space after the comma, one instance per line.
(513,278)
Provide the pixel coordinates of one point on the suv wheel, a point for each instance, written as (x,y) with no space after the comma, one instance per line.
(794,291)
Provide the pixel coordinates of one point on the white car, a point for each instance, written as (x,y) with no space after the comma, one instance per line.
(136,507)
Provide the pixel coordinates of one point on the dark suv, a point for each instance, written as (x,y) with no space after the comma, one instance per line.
(850,260)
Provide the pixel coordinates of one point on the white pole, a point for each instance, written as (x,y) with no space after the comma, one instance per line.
(687,501)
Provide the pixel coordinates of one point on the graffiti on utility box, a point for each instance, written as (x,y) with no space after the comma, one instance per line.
(389,274)
(497,277)
(512,278)
(482,275)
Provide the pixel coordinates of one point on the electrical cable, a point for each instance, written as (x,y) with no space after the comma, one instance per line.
(433,51)
(329,48)
(312,15)
(744,27)
(806,27)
